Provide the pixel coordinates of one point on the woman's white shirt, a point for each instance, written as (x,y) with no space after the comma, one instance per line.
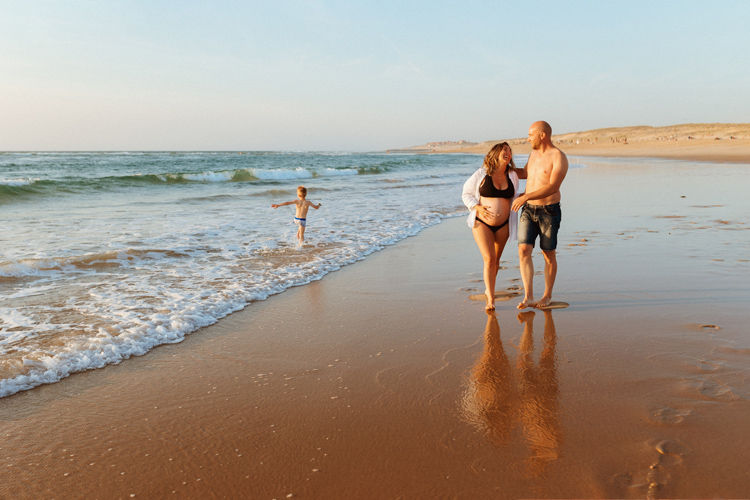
(471,199)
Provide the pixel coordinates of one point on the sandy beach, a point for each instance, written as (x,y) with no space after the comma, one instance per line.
(723,143)
(384,380)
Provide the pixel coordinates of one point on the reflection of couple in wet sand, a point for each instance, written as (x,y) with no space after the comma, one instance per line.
(492,197)
(502,397)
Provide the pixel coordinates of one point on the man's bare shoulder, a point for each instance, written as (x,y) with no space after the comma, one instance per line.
(551,156)
(557,155)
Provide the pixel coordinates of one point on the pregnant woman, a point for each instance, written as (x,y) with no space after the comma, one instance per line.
(489,194)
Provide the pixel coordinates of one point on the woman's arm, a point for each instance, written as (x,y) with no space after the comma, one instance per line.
(469,195)
(470,190)
(520,172)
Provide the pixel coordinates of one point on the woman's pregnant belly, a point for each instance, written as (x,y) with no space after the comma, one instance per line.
(498,206)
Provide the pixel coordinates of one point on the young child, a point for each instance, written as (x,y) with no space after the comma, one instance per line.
(302,206)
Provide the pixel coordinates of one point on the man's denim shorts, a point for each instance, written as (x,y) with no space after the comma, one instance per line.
(542,221)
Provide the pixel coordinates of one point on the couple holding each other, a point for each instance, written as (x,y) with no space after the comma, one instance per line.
(492,196)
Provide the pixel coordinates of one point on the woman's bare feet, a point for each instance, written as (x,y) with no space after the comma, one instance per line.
(490,301)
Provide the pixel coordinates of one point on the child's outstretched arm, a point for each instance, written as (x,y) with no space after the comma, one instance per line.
(284,204)
(316,206)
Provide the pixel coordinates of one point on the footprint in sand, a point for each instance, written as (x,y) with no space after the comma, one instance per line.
(623,480)
(670,454)
(716,391)
(707,389)
(667,416)
(652,480)
(499,296)
(701,327)
(554,305)
(707,365)
(670,449)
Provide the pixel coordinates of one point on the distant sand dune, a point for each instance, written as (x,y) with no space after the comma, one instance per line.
(721,142)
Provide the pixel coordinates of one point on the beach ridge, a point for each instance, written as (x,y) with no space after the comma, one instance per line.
(717,142)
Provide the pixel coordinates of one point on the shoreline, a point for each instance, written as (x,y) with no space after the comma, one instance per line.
(384,380)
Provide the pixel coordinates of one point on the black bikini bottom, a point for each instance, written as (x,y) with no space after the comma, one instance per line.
(495,228)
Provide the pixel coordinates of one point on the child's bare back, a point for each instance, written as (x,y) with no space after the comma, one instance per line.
(302,207)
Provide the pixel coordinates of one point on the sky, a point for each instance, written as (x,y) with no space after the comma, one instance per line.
(324,75)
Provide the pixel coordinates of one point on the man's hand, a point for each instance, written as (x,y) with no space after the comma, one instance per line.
(519,202)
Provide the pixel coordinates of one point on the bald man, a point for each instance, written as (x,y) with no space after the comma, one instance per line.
(540,215)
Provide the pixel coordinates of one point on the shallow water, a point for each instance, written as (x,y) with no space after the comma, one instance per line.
(106,255)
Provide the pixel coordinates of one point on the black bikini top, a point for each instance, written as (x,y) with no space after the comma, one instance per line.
(488,189)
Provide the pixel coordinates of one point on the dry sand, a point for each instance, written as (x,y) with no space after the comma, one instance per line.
(720,142)
(384,380)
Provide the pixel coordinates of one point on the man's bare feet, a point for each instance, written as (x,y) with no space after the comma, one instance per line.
(526,302)
(544,302)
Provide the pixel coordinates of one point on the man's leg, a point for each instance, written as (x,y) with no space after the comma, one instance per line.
(527,275)
(550,272)
(528,231)
(549,225)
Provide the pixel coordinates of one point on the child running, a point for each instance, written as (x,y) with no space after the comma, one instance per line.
(302,206)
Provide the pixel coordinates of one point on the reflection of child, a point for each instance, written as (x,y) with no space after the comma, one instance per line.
(302,206)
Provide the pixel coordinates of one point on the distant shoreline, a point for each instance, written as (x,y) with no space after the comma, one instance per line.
(723,143)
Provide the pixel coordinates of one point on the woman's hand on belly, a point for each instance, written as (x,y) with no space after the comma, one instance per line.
(497,212)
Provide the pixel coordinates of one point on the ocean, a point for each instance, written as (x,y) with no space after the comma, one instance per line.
(104,256)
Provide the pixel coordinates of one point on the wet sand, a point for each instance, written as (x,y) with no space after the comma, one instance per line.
(385,380)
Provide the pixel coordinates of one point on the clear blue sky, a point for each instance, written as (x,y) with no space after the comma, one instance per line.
(359,76)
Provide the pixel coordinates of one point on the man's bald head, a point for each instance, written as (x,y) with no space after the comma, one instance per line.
(540,133)
(543,127)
